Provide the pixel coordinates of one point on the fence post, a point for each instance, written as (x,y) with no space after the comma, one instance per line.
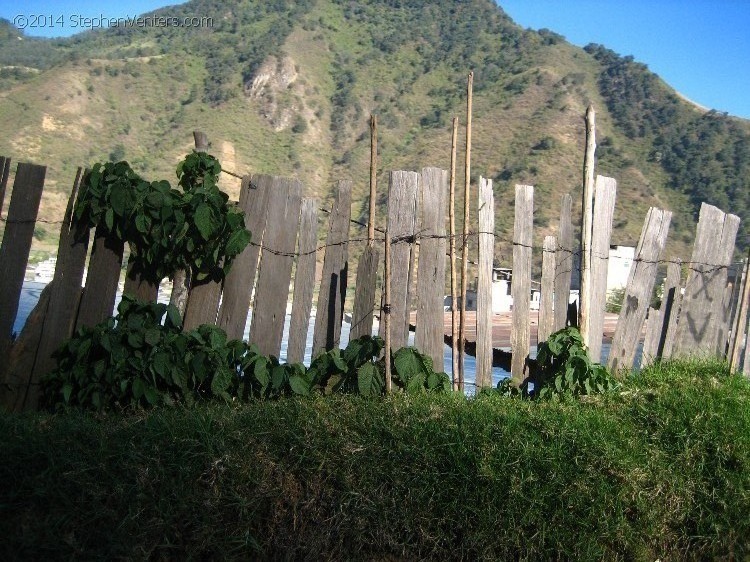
(330,311)
(16,245)
(521,282)
(546,313)
(740,321)
(452,242)
(275,269)
(563,263)
(402,201)
(697,331)
(486,214)
(465,241)
(587,219)
(604,208)
(65,292)
(304,281)
(640,285)
(367,268)
(429,334)
(100,292)
(239,282)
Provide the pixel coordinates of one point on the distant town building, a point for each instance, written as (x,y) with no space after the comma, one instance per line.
(618,268)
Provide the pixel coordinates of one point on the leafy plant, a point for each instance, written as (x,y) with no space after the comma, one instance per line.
(564,368)
(142,358)
(167,229)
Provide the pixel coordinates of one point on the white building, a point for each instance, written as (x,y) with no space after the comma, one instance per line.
(618,268)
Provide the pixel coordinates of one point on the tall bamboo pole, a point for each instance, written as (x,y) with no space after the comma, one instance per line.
(465,248)
(454,277)
(373,178)
(587,218)
(387,310)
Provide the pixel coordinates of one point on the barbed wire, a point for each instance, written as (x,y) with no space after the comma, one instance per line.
(418,237)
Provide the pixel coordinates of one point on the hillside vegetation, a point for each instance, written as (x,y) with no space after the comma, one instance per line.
(287,88)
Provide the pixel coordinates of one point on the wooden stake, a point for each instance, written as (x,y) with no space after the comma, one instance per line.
(387,311)
(587,217)
(373,178)
(465,248)
(740,321)
(454,278)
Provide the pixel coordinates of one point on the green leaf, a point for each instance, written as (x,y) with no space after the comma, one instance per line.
(109,219)
(139,386)
(204,221)
(368,380)
(221,383)
(416,383)
(408,364)
(66,391)
(152,336)
(299,385)
(152,396)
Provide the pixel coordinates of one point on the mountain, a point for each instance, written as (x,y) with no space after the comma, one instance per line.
(287,87)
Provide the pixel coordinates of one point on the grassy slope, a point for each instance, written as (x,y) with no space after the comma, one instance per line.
(660,470)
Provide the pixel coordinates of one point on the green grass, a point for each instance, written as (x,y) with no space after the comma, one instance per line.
(660,470)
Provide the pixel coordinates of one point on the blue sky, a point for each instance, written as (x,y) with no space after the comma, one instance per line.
(700,47)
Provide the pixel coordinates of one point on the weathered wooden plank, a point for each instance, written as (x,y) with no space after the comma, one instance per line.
(65,293)
(668,311)
(651,338)
(521,282)
(275,269)
(304,281)
(20,359)
(239,282)
(604,208)
(486,214)
(138,287)
(16,245)
(428,337)
(638,292)
(724,323)
(402,201)
(98,298)
(697,332)
(330,309)
(364,293)
(546,312)
(740,320)
(180,290)
(563,263)
(4,173)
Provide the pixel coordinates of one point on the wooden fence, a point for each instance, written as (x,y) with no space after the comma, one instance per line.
(702,314)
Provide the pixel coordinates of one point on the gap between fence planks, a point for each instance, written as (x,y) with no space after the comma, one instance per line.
(707,277)
(604,208)
(239,282)
(563,263)
(486,214)
(402,200)
(304,281)
(332,293)
(660,334)
(521,285)
(638,291)
(275,269)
